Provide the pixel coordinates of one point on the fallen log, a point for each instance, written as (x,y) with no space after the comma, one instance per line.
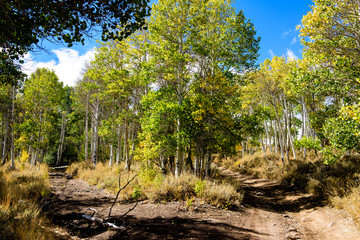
(59,167)
(102,222)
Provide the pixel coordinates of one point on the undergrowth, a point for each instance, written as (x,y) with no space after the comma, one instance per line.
(20,193)
(152,184)
(338,184)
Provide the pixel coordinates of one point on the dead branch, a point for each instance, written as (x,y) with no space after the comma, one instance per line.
(102,222)
(120,189)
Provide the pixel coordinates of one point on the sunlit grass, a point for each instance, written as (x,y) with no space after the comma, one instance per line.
(338,184)
(20,193)
(153,185)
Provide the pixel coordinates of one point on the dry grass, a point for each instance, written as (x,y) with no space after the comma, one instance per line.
(350,202)
(20,192)
(152,184)
(339,184)
(105,177)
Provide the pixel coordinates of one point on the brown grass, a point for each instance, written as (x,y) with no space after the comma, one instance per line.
(350,202)
(338,184)
(152,184)
(20,192)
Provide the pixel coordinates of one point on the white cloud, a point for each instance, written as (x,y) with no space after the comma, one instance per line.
(271,53)
(293,41)
(290,54)
(291,31)
(68,68)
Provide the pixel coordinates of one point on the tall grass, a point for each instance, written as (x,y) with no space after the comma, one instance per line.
(20,192)
(152,184)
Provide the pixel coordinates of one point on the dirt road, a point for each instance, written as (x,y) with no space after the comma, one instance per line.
(269,211)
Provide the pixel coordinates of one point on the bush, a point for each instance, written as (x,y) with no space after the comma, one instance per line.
(308,143)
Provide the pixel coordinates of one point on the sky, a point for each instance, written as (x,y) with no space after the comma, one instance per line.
(275,22)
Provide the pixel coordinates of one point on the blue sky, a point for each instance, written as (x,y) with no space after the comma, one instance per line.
(275,22)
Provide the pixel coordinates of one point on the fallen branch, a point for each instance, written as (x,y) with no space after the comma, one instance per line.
(102,222)
(120,189)
(137,201)
(60,167)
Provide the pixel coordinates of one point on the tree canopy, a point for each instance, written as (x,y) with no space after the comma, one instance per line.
(24,23)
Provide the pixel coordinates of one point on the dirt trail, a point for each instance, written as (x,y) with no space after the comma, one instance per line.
(305,216)
(270,211)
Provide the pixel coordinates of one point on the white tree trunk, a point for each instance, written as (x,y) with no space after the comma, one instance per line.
(87,129)
(111,155)
(12,128)
(119,147)
(62,139)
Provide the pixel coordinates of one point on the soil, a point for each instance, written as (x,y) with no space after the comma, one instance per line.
(269,211)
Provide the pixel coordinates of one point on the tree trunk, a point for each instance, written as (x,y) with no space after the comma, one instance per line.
(4,152)
(119,148)
(96,134)
(208,164)
(289,130)
(126,144)
(92,139)
(179,151)
(12,128)
(111,155)
(268,138)
(133,139)
(163,164)
(263,145)
(87,129)
(37,152)
(62,139)
(196,165)
(2,135)
(243,148)
(281,137)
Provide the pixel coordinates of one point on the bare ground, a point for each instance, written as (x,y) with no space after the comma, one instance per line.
(269,211)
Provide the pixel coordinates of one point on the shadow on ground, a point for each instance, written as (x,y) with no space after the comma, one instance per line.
(272,196)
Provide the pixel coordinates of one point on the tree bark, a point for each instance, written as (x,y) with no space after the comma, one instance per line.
(179,151)
(208,164)
(119,147)
(87,129)
(4,152)
(281,137)
(126,144)
(12,128)
(62,139)
(96,133)
(111,155)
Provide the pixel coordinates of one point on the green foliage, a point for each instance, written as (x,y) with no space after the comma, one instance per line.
(343,133)
(200,187)
(136,194)
(330,155)
(308,143)
(25,23)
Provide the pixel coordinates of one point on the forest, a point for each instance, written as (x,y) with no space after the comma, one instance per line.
(167,109)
